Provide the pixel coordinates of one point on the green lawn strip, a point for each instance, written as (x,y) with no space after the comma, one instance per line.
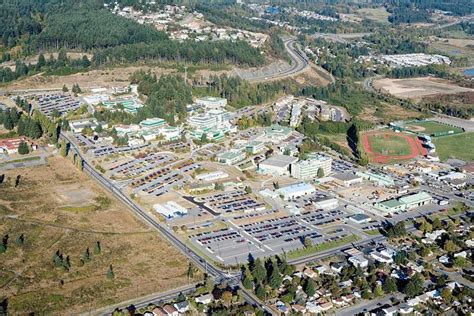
(372,232)
(435,127)
(301,252)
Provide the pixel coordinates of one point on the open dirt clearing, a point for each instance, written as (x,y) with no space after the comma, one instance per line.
(56,207)
(416,88)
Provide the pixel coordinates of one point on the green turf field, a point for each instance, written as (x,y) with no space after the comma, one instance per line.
(391,145)
(431,127)
(460,146)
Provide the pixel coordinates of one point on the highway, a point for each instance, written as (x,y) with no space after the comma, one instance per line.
(218,274)
(299,63)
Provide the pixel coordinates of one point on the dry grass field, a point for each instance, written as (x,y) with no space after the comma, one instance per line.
(417,88)
(375,14)
(56,207)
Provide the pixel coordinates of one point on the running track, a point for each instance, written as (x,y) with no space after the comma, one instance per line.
(414,143)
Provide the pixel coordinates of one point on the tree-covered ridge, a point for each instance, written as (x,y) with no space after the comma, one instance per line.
(87,25)
(414,11)
(221,52)
(88,29)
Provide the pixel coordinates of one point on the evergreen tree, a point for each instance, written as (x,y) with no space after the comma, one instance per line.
(260,291)
(259,272)
(64,148)
(65,89)
(247,282)
(41,62)
(390,285)
(110,273)
(309,287)
(86,256)
(7,121)
(97,248)
(275,278)
(58,259)
(20,241)
(23,148)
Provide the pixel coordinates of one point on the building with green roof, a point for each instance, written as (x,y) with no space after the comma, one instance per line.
(404,203)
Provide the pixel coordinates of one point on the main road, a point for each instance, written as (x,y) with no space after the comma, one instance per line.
(299,63)
(219,275)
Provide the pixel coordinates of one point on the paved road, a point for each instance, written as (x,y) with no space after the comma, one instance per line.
(299,63)
(363,306)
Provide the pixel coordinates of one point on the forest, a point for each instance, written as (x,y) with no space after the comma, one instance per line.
(87,26)
(219,52)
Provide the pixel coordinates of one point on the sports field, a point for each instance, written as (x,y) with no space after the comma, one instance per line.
(386,144)
(431,127)
(458,146)
(387,147)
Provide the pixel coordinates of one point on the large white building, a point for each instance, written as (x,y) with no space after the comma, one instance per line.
(210,120)
(277,165)
(308,169)
(212,103)
(294,191)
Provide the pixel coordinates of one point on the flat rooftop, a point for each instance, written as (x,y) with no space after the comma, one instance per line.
(279,161)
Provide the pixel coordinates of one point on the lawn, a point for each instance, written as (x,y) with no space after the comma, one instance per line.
(458,146)
(322,247)
(390,145)
(431,127)
(56,207)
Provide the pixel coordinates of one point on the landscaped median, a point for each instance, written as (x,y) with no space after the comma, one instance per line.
(302,252)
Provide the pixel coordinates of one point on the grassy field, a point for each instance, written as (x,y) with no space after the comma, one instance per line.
(57,208)
(458,146)
(375,14)
(393,145)
(431,127)
(322,247)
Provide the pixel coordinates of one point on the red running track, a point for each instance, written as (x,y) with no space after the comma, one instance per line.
(414,143)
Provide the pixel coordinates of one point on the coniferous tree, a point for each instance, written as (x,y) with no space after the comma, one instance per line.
(110,273)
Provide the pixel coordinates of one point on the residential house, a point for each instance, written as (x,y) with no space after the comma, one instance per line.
(170,310)
(204,299)
(182,307)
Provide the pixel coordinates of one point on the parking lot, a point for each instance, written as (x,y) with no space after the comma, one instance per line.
(138,166)
(268,237)
(231,202)
(62,103)
(321,217)
(226,245)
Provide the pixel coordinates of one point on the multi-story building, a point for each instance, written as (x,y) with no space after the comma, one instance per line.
(212,102)
(152,123)
(308,169)
(212,119)
(231,157)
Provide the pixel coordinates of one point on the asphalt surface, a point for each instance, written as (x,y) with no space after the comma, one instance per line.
(299,63)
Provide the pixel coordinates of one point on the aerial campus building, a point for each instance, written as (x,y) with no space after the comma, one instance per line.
(404,203)
(308,169)
(294,191)
(212,103)
(278,165)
